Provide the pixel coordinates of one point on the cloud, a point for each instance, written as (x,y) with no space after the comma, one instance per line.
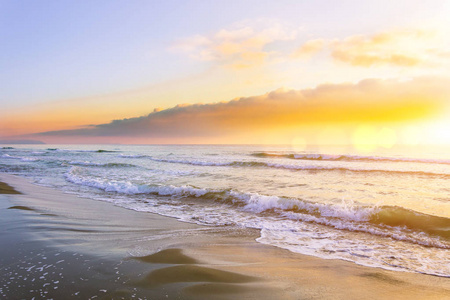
(241,46)
(309,48)
(369,101)
(398,48)
(252,44)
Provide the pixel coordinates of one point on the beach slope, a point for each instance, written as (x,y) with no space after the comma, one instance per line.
(62,246)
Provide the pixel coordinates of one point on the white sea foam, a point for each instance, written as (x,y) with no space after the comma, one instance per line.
(317,156)
(367,252)
(126,187)
(29,159)
(311,237)
(132,155)
(81,150)
(38,152)
(191,162)
(20,158)
(10,156)
(95,164)
(85,163)
(343,217)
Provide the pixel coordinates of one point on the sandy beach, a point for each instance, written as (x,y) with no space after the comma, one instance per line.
(225,150)
(57,245)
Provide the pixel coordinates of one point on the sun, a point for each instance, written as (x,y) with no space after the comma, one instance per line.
(439,133)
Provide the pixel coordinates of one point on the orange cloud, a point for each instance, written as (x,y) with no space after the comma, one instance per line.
(368,102)
(394,48)
(400,48)
(309,48)
(240,47)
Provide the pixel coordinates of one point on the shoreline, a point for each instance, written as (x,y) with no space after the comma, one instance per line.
(161,257)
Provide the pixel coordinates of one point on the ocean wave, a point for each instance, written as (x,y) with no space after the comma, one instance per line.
(15,169)
(394,222)
(401,217)
(348,169)
(93,164)
(190,162)
(387,221)
(295,167)
(82,151)
(29,159)
(350,158)
(125,187)
(10,156)
(133,155)
(26,159)
(105,151)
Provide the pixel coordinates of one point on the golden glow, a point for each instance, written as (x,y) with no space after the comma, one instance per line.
(386,137)
(412,135)
(368,138)
(299,144)
(364,138)
(331,135)
(439,132)
(370,114)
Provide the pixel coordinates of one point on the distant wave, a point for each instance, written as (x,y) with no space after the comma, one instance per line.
(251,164)
(132,155)
(10,156)
(190,162)
(329,157)
(79,150)
(312,168)
(27,159)
(38,152)
(388,221)
(93,164)
(355,170)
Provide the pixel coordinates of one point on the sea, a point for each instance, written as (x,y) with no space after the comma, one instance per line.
(386,209)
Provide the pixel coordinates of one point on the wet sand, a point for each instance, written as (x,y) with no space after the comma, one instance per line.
(61,246)
(7,189)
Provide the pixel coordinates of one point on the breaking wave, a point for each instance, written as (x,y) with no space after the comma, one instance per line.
(387,221)
(359,158)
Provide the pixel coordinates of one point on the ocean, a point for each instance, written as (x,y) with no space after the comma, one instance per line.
(388,209)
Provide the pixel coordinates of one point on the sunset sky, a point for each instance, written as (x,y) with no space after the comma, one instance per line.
(302,72)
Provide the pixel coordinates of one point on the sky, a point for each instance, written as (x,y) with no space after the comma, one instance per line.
(261,72)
